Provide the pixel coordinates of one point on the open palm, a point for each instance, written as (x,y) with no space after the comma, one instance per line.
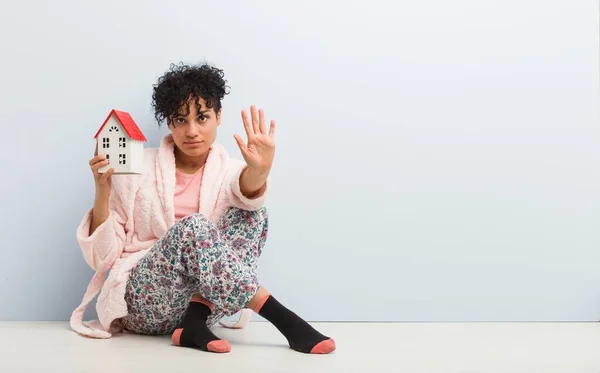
(260,149)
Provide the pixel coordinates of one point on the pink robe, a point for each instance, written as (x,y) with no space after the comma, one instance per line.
(141,210)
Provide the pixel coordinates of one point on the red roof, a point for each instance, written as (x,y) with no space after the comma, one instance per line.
(128,124)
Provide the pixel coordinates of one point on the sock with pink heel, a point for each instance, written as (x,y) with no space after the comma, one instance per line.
(300,335)
(193,332)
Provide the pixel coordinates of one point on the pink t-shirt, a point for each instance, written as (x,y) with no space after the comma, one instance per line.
(187,193)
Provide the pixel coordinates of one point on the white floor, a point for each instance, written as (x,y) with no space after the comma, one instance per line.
(411,347)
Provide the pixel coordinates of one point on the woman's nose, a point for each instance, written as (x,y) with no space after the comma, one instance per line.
(192,131)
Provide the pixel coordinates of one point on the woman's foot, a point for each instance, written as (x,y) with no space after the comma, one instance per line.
(193,332)
(300,335)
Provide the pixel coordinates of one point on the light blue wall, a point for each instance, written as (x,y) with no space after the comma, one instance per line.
(455,168)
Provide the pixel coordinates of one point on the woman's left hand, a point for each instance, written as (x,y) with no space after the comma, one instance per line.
(260,149)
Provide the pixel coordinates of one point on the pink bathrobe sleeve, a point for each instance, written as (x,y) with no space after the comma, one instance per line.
(105,245)
(100,251)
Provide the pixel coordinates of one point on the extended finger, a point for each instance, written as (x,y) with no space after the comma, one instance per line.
(255,125)
(262,124)
(247,126)
(272,129)
(240,143)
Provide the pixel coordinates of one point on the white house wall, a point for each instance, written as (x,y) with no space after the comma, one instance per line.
(135,155)
(113,131)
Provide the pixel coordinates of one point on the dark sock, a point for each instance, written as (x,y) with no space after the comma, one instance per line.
(300,335)
(193,332)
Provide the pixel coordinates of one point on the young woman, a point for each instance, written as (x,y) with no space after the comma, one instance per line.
(182,240)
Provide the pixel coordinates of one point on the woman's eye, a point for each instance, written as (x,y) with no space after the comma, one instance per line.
(202,118)
(179,120)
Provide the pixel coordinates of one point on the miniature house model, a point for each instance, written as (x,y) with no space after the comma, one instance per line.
(122,142)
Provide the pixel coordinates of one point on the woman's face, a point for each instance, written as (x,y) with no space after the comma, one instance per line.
(195,132)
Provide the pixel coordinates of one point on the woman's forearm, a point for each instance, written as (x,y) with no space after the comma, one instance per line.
(253,182)
(99,213)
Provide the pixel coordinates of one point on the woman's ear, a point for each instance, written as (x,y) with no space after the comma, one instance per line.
(219,117)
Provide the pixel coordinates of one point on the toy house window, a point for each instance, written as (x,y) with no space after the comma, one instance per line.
(108,157)
(122,142)
(122,159)
(105,142)
(113,129)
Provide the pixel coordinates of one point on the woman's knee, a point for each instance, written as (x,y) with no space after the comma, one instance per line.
(196,218)
(198,226)
(258,217)
(195,221)
(261,215)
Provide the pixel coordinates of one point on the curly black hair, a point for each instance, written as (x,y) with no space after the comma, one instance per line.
(183,82)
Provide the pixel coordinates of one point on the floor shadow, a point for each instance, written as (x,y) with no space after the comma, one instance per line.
(260,344)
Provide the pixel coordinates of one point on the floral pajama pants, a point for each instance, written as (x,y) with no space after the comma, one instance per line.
(195,256)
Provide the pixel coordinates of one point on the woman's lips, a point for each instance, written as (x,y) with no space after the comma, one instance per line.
(193,144)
